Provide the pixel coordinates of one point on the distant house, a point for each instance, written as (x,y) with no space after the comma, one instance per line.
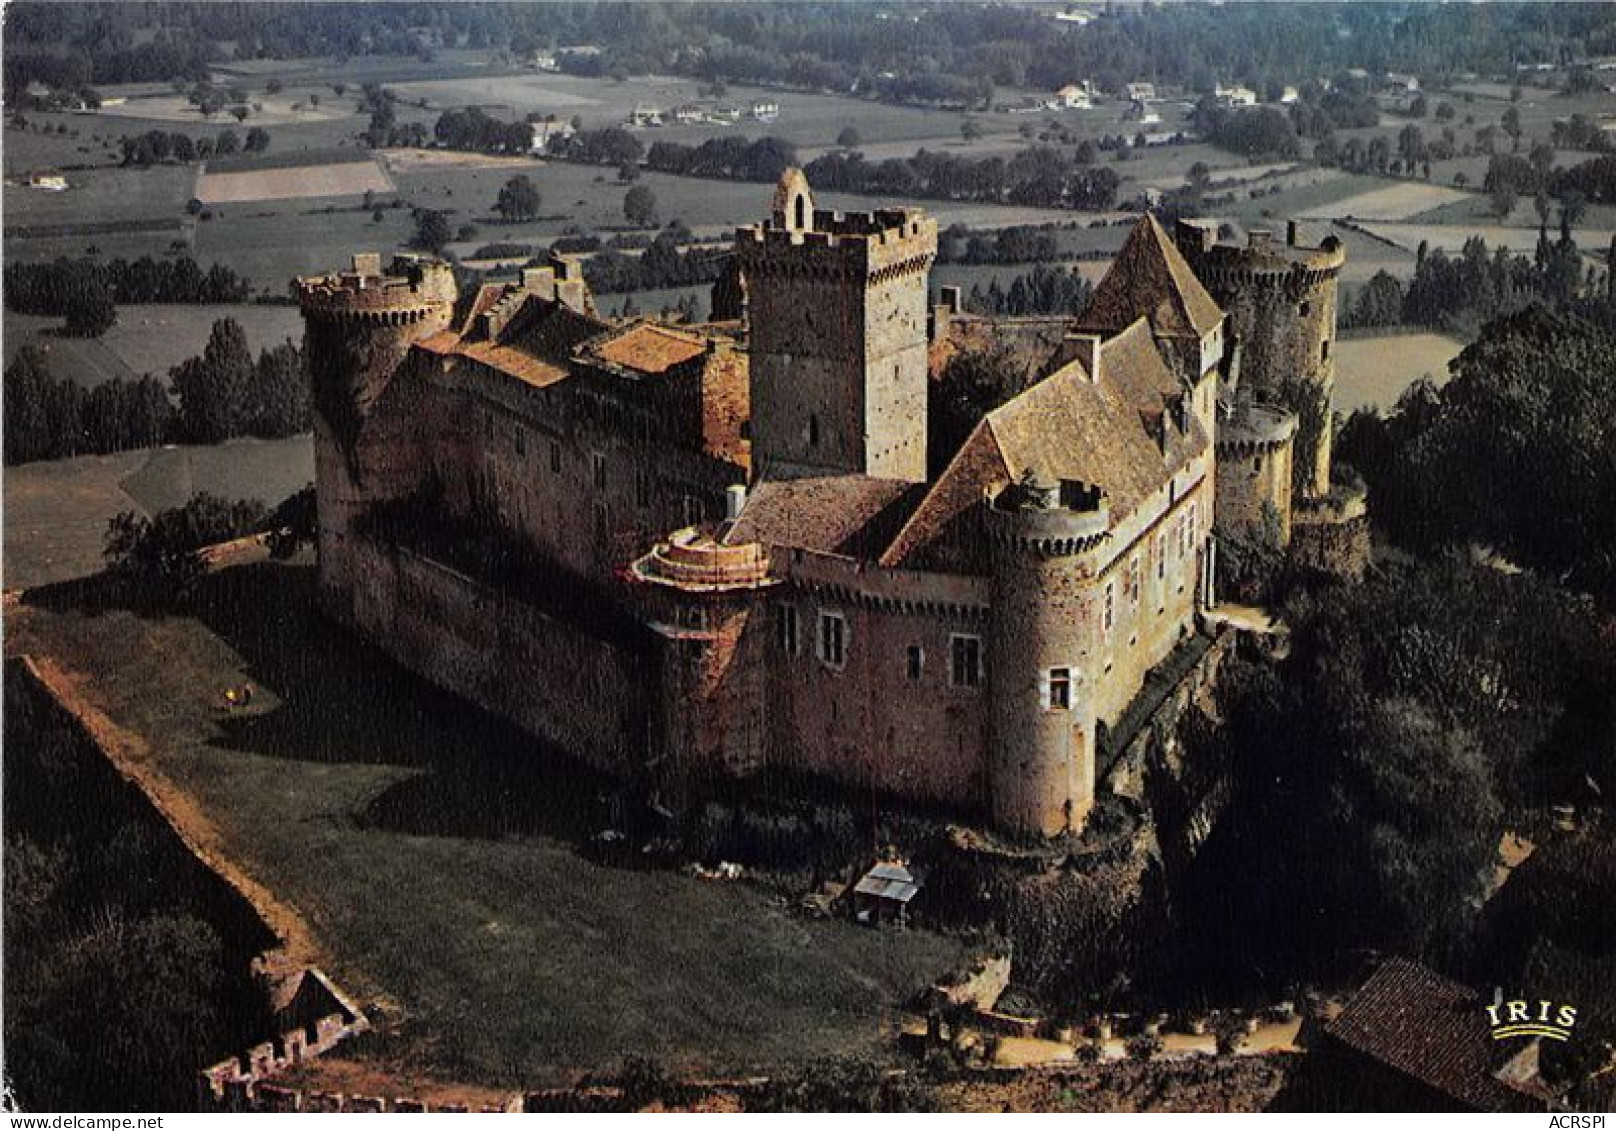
(724,115)
(1074,97)
(1413,1040)
(689,114)
(1409,83)
(1141,91)
(49,182)
(765,111)
(1235,97)
(545,61)
(645,115)
(546,134)
(1290,95)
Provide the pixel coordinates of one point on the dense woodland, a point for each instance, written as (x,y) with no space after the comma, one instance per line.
(222,393)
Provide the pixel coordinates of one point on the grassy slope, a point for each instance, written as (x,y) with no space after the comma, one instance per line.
(432,851)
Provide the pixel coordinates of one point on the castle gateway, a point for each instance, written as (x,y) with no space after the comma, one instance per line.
(682,552)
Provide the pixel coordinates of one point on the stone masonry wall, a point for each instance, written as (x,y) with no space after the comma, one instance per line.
(551,678)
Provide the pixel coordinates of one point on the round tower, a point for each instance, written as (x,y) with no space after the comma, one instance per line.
(1043,652)
(358,326)
(1281,303)
(698,594)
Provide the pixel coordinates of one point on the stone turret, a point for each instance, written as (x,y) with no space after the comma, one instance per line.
(1044,651)
(699,595)
(358,326)
(836,305)
(1281,301)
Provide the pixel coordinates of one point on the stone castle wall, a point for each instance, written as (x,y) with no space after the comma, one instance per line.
(552,678)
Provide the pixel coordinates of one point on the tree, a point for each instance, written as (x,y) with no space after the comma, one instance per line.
(161,553)
(239,113)
(1379,303)
(518,200)
(640,207)
(432,231)
(1503,200)
(278,395)
(228,142)
(89,307)
(257,139)
(214,389)
(849,138)
(970,130)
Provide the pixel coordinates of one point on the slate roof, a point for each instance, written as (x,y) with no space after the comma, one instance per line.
(1150,277)
(840,514)
(1433,1030)
(1106,433)
(890,881)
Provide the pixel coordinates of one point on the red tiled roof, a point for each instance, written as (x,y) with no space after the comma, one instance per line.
(648,348)
(514,363)
(841,514)
(1150,277)
(1433,1030)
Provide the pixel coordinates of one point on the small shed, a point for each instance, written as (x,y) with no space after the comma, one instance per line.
(885,892)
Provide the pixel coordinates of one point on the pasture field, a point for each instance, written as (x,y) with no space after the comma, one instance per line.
(433,852)
(272,241)
(1452,237)
(99,195)
(1372,371)
(284,109)
(145,339)
(1393,202)
(57,510)
(296,182)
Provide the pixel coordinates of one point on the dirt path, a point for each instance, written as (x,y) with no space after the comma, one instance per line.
(131,756)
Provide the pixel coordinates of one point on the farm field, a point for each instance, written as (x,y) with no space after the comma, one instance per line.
(1394,202)
(146,339)
(1372,371)
(1452,237)
(385,813)
(348,178)
(268,110)
(57,510)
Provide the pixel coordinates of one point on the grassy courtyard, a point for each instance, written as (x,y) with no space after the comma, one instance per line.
(433,853)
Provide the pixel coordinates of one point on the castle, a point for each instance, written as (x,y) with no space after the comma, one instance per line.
(684,552)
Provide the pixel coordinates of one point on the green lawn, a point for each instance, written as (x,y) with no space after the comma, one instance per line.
(146,339)
(433,852)
(56,511)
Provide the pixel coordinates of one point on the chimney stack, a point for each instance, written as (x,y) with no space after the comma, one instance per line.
(1084,348)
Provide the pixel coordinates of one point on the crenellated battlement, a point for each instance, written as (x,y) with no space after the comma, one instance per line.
(1068,520)
(414,288)
(1261,261)
(872,245)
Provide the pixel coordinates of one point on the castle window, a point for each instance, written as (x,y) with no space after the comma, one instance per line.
(1324,350)
(1195,525)
(965,661)
(802,211)
(1305,309)
(832,639)
(813,431)
(1058,690)
(689,510)
(1130,584)
(599,461)
(785,628)
(1161,557)
(555,457)
(916,662)
(1256,466)
(521,442)
(1109,617)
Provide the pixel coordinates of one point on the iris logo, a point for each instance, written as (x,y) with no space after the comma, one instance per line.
(1531,1019)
